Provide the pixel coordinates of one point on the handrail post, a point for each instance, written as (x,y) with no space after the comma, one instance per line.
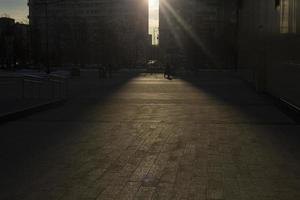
(66,88)
(39,85)
(23,88)
(53,89)
(60,90)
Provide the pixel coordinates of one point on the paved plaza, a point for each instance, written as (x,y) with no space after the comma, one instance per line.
(209,137)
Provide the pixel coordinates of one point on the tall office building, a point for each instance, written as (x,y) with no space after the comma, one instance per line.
(14,43)
(84,31)
(6,42)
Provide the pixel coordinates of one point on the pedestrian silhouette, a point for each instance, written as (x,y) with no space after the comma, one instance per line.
(167,73)
(102,72)
(109,71)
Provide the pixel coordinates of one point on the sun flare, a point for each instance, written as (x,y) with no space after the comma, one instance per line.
(153,3)
(154,20)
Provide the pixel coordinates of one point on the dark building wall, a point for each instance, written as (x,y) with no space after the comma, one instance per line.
(84,32)
(22,44)
(7,58)
(198,33)
(14,43)
(269,46)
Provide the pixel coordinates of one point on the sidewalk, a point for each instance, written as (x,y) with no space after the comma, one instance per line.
(210,137)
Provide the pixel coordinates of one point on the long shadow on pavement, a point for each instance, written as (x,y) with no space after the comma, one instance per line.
(27,145)
(246,107)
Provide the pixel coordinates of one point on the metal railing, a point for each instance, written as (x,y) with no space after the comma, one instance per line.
(50,87)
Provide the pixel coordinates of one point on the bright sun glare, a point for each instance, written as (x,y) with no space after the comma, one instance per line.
(154,19)
(153,3)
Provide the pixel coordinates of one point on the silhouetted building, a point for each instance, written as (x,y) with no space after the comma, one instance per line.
(89,32)
(14,43)
(269,47)
(7,42)
(197,33)
(22,38)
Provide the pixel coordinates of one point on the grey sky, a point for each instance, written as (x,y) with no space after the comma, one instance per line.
(14,8)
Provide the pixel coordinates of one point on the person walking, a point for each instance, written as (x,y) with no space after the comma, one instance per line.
(109,71)
(167,73)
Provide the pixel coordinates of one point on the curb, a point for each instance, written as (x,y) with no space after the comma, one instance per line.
(286,107)
(10,116)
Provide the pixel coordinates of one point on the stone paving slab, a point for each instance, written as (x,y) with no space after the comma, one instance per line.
(154,139)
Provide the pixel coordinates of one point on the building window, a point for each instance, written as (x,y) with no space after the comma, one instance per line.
(288,16)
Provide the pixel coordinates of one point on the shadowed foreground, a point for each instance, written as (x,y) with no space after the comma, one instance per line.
(210,137)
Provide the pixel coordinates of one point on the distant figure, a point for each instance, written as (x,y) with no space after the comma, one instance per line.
(109,71)
(101,72)
(167,73)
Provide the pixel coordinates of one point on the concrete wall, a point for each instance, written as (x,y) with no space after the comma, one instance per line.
(269,47)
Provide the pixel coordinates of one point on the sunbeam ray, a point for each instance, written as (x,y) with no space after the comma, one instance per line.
(173,31)
(186,28)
